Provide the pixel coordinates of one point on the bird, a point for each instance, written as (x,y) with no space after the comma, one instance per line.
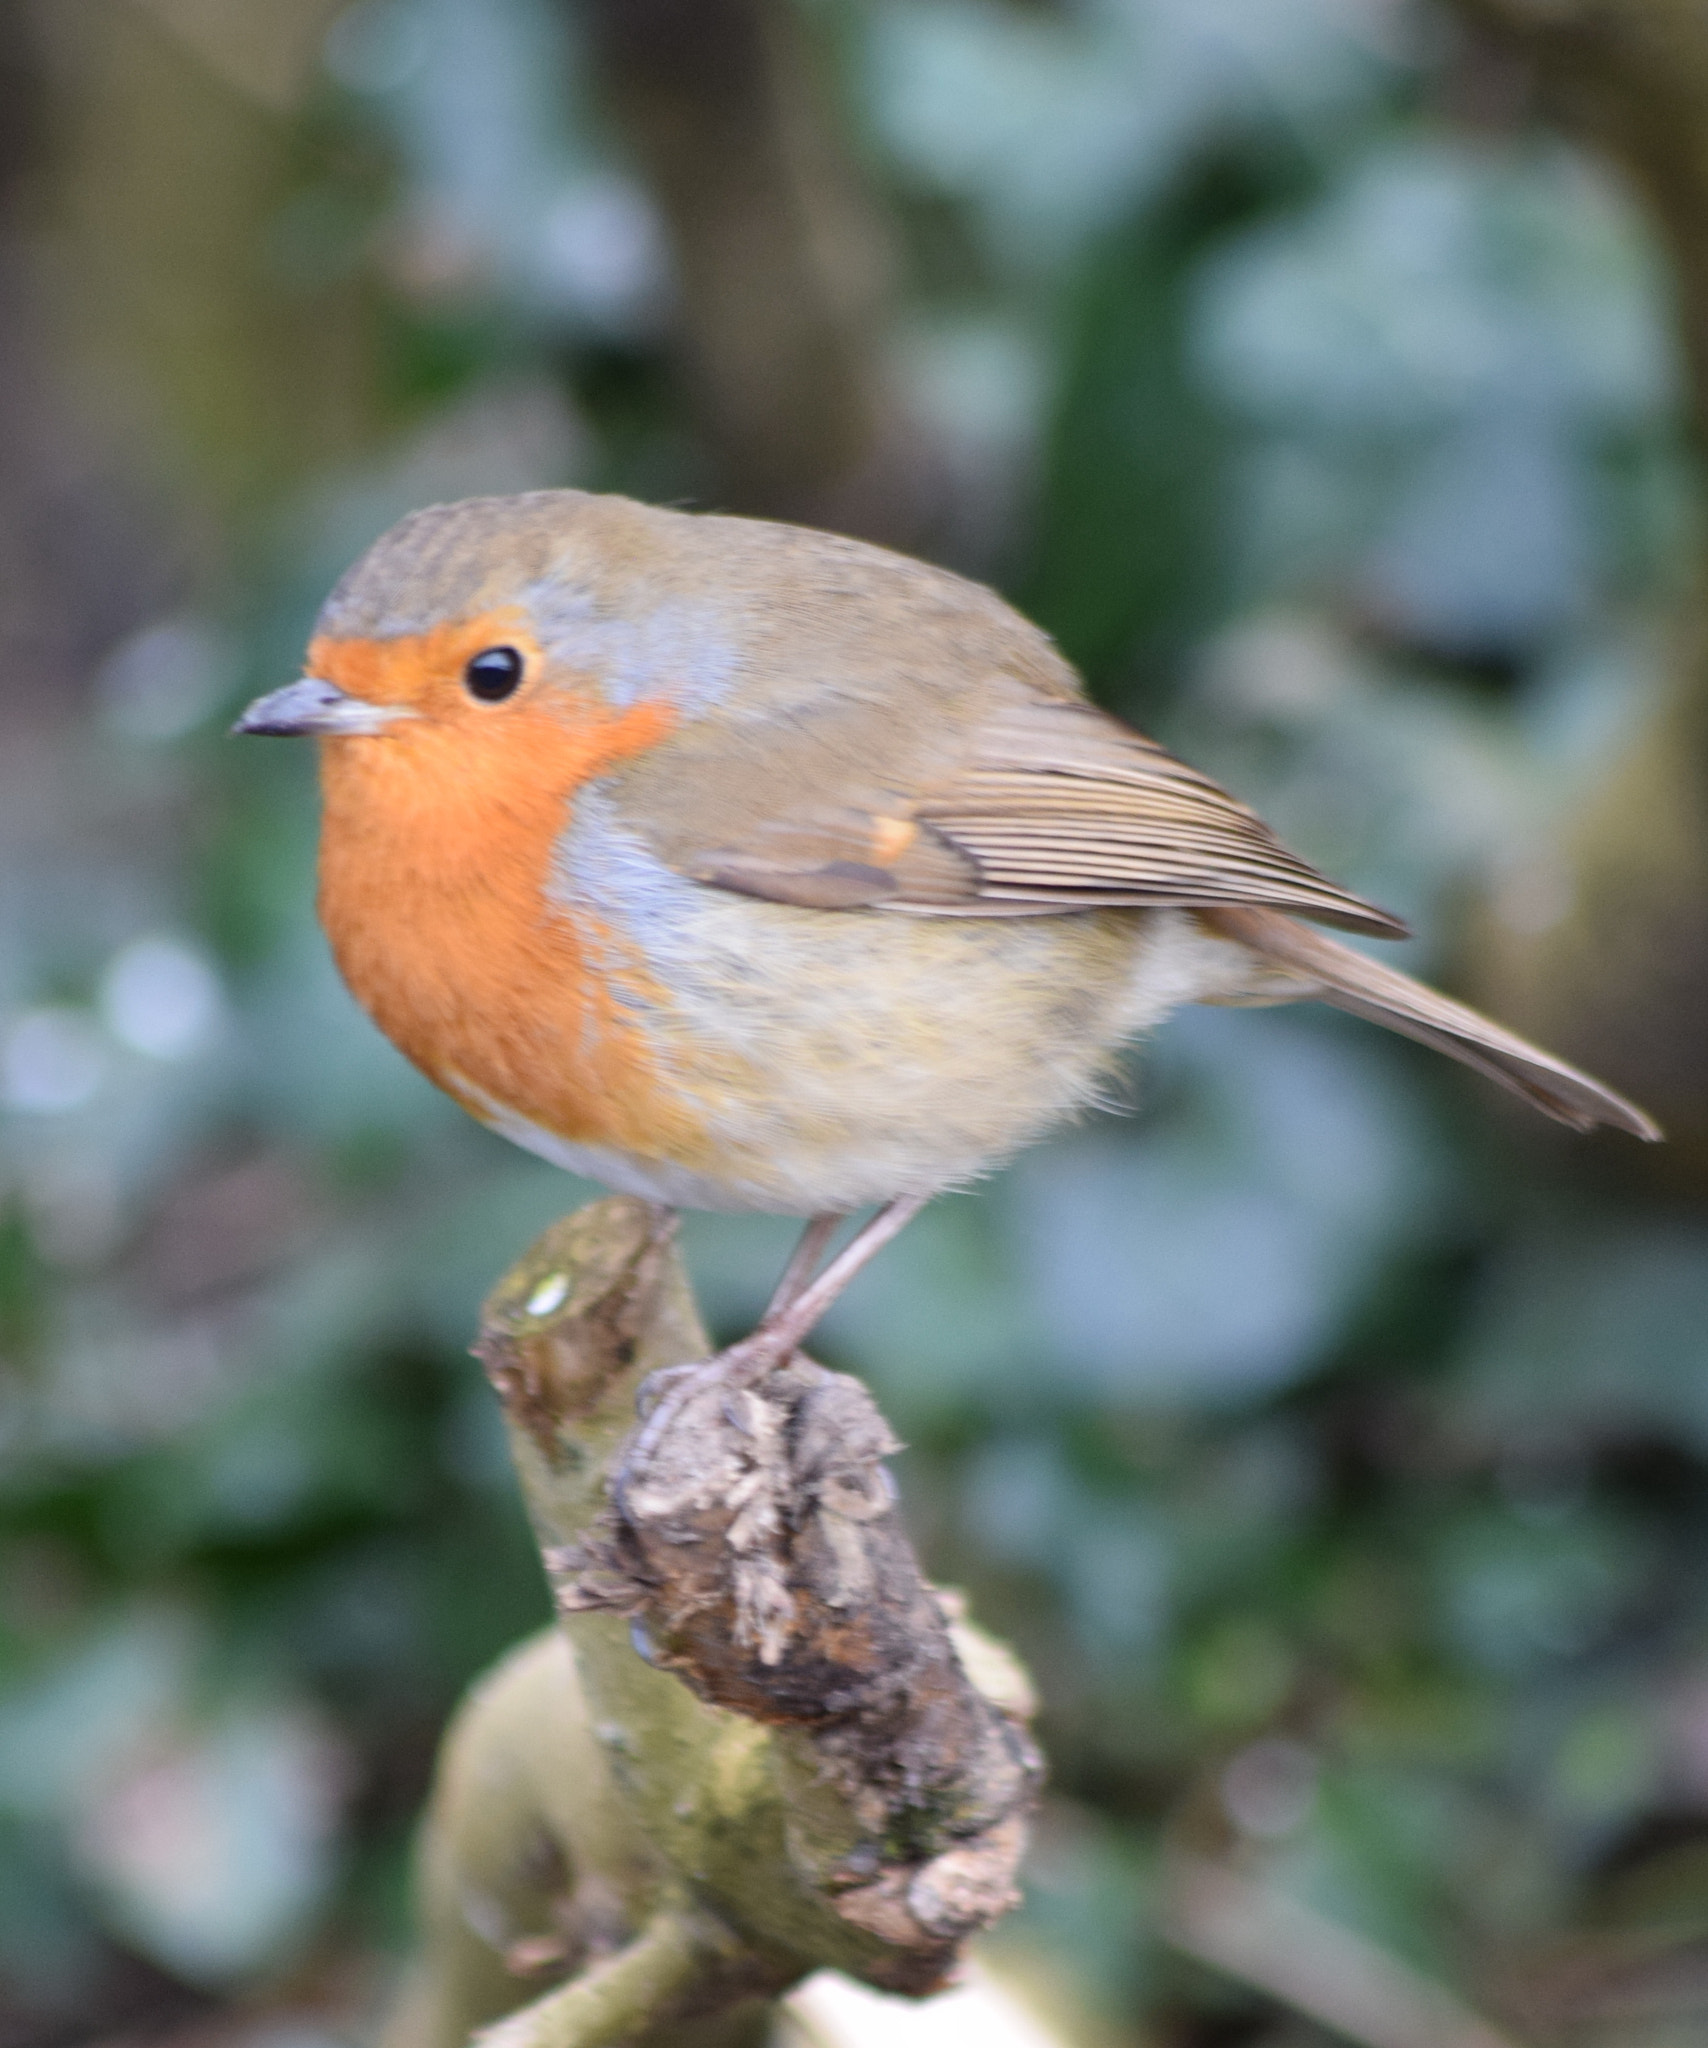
(739,865)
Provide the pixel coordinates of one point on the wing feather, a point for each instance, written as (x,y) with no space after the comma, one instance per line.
(1061,805)
(1053,806)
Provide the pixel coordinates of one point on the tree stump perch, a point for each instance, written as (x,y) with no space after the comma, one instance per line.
(771,1747)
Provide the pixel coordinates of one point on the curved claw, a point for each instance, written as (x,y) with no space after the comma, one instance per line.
(667,1392)
(657,1385)
(795,1308)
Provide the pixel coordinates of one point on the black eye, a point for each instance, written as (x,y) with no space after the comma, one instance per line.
(493,674)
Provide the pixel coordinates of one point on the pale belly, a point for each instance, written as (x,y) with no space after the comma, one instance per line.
(837,1059)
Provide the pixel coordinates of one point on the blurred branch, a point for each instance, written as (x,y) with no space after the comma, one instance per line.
(266,53)
(86,549)
(20,102)
(806,1765)
(244,365)
(1631,76)
(781,258)
(1621,982)
(1319,1967)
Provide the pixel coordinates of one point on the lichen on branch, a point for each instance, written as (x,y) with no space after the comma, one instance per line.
(772,1746)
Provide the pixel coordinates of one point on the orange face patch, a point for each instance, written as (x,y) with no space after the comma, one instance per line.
(423,672)
(436,850)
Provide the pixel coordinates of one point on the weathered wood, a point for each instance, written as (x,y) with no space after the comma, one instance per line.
(773,1748)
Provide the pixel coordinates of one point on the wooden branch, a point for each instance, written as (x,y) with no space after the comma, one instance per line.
(1631,77)
(661,1976)
(771,1747)
(783,263)
(1320,1967)
(1621,980)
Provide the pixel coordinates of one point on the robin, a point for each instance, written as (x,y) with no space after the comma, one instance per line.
(740,866)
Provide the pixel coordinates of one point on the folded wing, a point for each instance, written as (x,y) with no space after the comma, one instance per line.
(1054,806)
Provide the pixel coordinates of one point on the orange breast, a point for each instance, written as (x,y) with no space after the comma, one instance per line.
(436,849)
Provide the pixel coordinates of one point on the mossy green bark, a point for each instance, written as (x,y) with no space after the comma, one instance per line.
(674,1863)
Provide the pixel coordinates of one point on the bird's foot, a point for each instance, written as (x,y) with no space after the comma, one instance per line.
(800,1300)
(665,1396)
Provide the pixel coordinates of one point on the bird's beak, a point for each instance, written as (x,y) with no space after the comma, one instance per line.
(312,705)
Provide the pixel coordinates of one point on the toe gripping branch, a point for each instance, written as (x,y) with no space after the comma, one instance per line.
(813,1759)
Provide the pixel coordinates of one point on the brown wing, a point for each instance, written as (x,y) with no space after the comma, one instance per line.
(1055,806)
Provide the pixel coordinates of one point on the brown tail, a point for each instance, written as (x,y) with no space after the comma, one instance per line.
(1353,982)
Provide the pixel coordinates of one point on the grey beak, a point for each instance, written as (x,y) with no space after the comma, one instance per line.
(313,706)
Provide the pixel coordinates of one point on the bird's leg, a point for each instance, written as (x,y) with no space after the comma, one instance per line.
(803,1262)
(789,1321)
(795,1308)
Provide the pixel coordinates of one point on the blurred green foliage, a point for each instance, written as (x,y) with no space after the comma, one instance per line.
(1331,1444)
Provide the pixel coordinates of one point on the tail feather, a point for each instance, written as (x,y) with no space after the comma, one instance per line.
(1336,974)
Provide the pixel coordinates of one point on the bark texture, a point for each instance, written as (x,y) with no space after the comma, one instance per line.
(770,1747)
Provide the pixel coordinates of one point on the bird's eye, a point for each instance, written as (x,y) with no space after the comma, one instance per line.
(493,674)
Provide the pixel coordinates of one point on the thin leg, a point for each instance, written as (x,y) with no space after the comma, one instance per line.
(803,1260)
(782,1331)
